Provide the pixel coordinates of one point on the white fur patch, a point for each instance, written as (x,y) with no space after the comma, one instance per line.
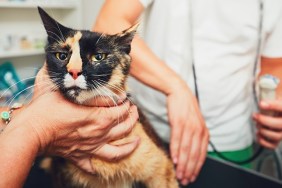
(85,95)
(79,82)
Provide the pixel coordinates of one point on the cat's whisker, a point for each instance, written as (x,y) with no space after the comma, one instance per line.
(6,90)
(12,99)
(60,39)
(55,51)
(55,75)
(118,88)
(50,88)
(57,41)
(107,91)
(99,74)
(42,91)
(95,89)
(121,90)
(113,94)
(58,28)
(35,68)
(30,87)
(98,91)
(106,94)
(102,35)
(49,47)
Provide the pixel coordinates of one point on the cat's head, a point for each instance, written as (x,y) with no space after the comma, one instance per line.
(85,64)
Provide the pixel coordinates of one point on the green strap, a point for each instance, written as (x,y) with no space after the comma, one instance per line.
(238,155)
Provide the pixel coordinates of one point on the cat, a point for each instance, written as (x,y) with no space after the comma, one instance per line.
(74,57)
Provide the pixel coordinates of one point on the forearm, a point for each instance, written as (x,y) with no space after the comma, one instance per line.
(152,71)
(114,17)
(18,150)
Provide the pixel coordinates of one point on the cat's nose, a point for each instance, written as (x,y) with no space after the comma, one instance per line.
(75,73)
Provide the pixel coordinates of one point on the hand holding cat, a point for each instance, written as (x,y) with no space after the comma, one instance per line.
(189,134)
(79,132)
(269,128)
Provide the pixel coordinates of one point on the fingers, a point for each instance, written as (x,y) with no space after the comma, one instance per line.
(195,155)
(184,151)
(175,140)
(272,135)
(106,152)
(275,105)
(105,101)
(118,114)
(124,128)
(268,138)
(268,121)
(188,160)
(266,142)
(202,158)
(114,153)
(42,82)
(269,130)
(84,164)
(108,119)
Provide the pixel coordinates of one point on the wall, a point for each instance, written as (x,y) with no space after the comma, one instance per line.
(90,11)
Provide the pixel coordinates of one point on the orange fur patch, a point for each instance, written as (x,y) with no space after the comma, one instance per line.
(75,60)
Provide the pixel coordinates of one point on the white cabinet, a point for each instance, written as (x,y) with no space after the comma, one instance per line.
(19,20)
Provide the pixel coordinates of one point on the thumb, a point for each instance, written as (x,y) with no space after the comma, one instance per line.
(275,105)
(84,164)
(42,82)
(113,153)
(107,101)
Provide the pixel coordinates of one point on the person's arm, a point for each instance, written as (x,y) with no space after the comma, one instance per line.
(18,152)
(189,135)
(269,128)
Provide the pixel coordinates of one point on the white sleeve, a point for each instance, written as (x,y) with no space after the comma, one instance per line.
(273,43)
(146,3)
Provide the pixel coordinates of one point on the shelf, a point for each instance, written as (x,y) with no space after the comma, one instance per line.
(21,53)
(33,4)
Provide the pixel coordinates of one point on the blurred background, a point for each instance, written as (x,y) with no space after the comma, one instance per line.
(22,39)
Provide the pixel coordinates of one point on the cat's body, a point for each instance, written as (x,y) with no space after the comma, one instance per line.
(83,65)
(148,164)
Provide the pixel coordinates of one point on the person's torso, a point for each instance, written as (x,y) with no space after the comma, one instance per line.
(221,38)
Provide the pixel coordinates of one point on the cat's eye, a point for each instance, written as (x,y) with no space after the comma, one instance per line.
(61,56)
(98,57)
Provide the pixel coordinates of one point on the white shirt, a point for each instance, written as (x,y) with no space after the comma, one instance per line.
(224,46)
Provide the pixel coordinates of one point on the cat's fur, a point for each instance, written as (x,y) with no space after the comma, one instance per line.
(79,77)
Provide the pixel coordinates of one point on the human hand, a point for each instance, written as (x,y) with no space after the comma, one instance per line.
(79,132)
(189,134)
(269,128)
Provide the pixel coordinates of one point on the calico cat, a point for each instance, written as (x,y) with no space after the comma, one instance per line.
(74,57)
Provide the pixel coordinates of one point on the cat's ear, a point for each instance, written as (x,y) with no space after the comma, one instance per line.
(125,38)
(54,29)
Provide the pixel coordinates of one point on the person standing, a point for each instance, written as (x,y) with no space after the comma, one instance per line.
(212,49)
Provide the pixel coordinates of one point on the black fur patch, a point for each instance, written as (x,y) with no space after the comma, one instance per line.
(116,47)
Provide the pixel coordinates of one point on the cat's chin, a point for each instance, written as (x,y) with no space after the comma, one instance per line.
(80,96)
(72,94)
(86,96)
